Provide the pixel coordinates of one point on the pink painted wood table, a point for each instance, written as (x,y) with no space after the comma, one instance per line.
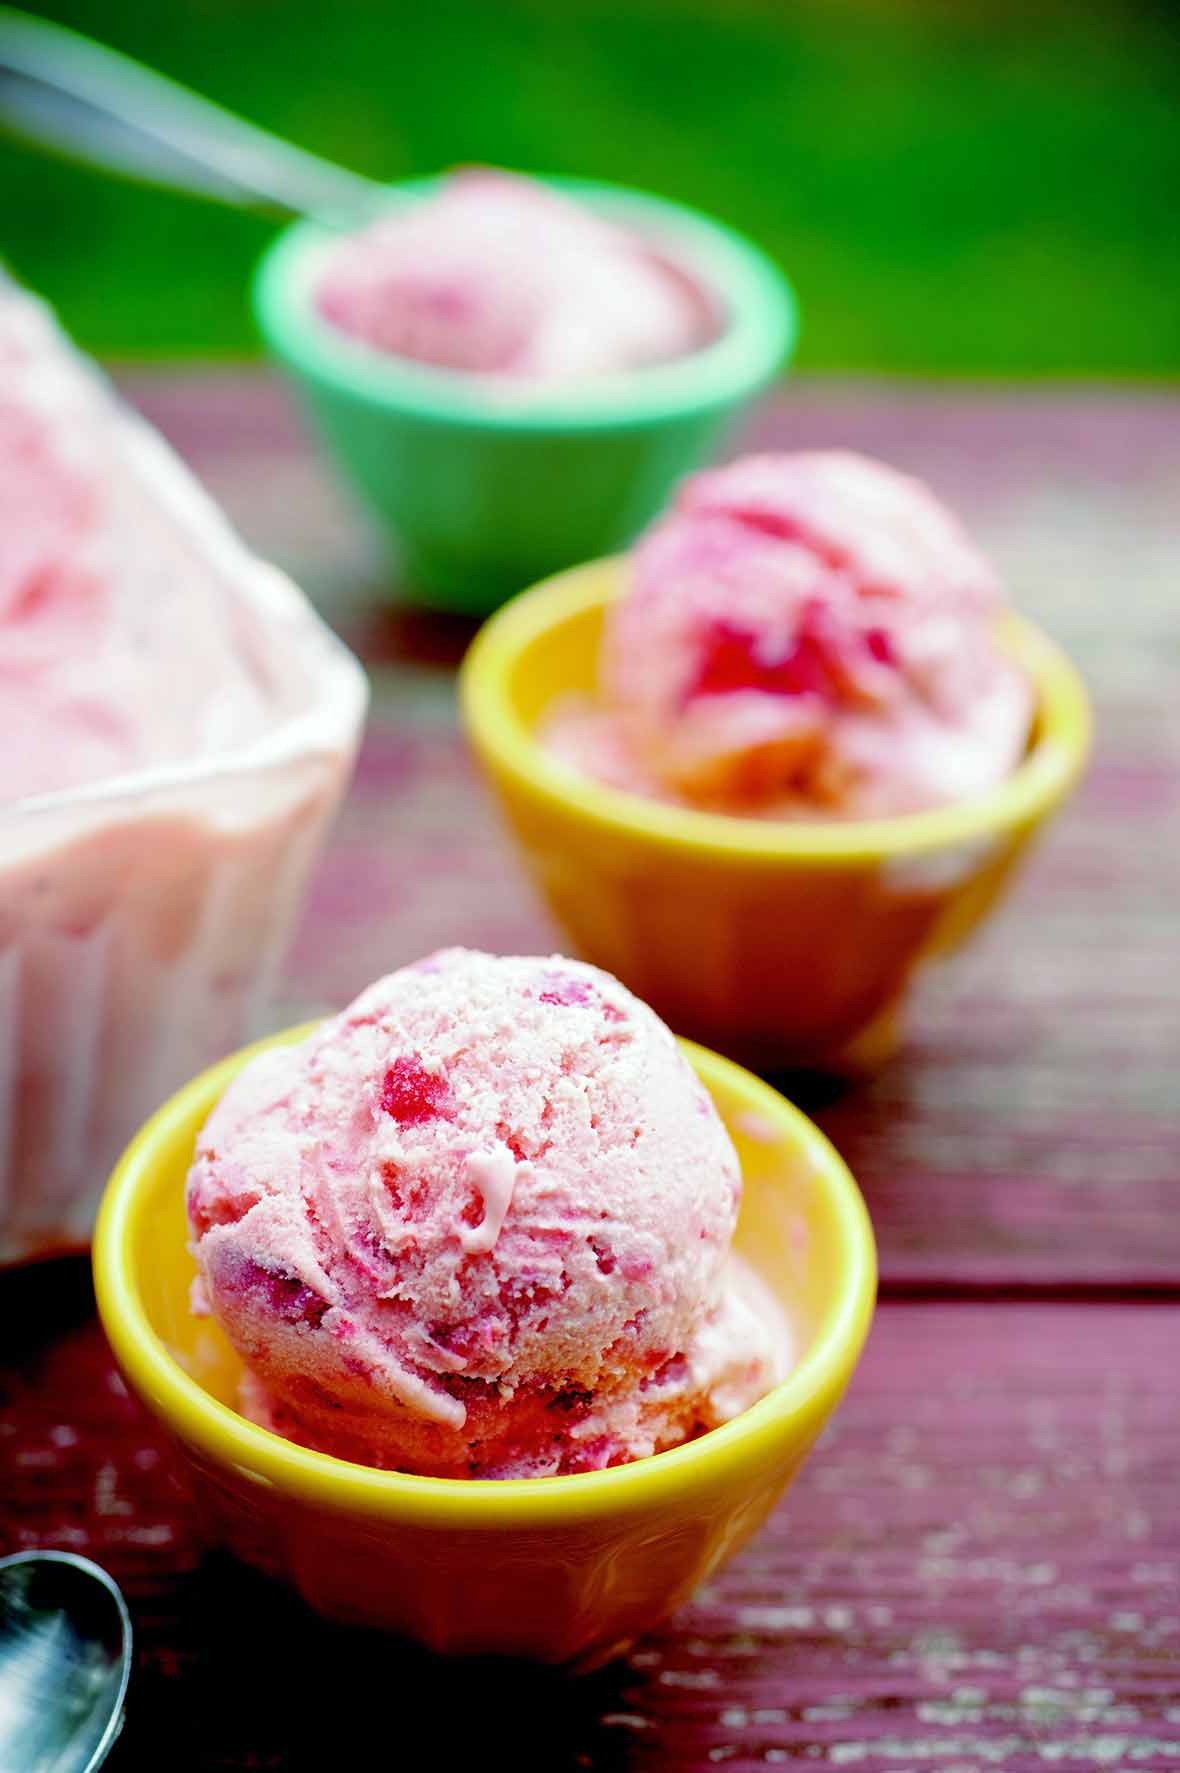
(980,1568)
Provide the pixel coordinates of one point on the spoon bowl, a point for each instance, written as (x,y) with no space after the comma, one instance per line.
(65,1659)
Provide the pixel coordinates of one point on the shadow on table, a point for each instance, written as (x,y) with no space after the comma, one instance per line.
(54,1295)
(400,634)
(814,1091)
(233,1673)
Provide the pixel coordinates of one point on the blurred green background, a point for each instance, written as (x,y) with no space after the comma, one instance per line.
(982,188)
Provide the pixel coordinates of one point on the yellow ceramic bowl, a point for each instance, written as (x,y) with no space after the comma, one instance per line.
(563,1569)
(782,943)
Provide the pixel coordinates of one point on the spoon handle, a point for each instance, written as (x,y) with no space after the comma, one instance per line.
(63,91)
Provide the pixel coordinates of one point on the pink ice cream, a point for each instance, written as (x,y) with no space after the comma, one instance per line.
(118,649)
(479,1224)
(178,727)
(503,276)
(803,635)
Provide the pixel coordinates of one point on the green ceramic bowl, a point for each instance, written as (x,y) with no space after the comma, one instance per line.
(483,492)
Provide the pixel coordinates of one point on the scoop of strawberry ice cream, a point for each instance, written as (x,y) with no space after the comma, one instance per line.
(479,1225)
(500,275)
(804,634)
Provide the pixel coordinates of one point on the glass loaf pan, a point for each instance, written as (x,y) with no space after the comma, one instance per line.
(143,918)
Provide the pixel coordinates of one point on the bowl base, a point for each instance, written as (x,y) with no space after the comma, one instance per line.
(867,1052)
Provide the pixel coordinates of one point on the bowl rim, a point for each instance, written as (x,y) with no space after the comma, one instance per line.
(812,1387)
(509,746)
(747,354)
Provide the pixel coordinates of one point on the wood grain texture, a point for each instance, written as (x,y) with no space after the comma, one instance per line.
(978,1568)
(1029,1134)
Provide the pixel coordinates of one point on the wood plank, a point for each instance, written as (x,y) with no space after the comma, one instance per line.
(1029,1134)
(978,1569)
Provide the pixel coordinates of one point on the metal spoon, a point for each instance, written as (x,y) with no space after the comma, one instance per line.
(61,90)
(65,1657)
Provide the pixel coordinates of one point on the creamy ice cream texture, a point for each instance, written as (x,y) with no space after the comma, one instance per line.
(177,729)
(118,649)
(479,1224)
(499,275)
(803,635)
